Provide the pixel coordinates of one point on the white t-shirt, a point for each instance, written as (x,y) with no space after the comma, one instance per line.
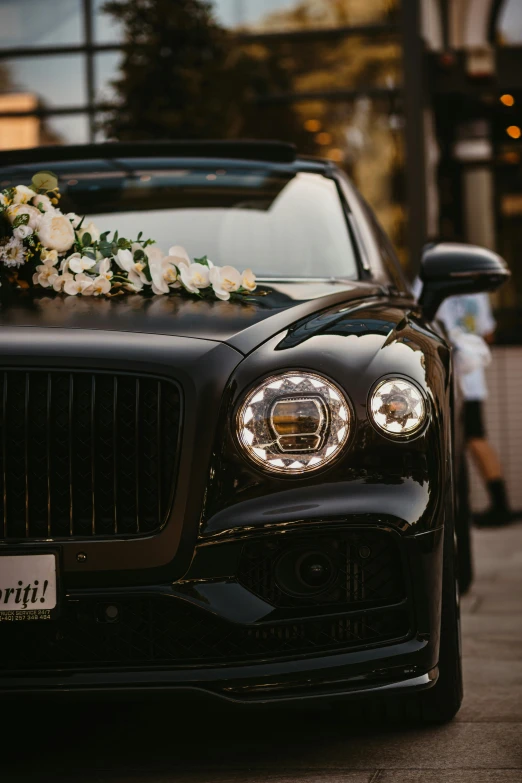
(470,314)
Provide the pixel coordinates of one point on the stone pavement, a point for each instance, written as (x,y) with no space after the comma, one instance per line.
(147,743)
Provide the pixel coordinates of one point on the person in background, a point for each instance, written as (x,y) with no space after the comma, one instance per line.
(465,316)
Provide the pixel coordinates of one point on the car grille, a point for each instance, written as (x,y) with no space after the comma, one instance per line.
(86,455)
(164,631)
(366,569)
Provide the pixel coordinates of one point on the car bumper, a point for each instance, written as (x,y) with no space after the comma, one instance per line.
(215,637)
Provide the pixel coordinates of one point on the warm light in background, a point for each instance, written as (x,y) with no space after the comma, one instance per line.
(336,154)
(514,131)
(507,100)
(323,138)
(312,125)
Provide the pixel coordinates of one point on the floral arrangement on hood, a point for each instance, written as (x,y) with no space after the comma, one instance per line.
(41,246)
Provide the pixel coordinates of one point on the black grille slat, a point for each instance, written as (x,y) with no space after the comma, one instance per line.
(152,632)
(82,455)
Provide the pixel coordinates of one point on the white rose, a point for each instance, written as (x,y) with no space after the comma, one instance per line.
(15,210)
(22,195)
(81,284)
(56,232)
(78,263)
(248,280)
(91,229)
(195,277)
(224,280)
(43,203)
(22,232)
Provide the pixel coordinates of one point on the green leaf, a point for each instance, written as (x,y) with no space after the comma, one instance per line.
(140,235)
(104,236)
(139,255)
(45,180)
(90,254)
(124,243)
(203,260)
(86,239)
(21,220)
(105,249)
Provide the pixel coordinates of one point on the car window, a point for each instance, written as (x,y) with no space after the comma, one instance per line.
(280,223)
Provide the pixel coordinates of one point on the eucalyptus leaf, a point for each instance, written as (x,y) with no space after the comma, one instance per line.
(86,239)
(21,220)
(203,260)
(45,180)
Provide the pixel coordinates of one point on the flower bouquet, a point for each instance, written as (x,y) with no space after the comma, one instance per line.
(41,246)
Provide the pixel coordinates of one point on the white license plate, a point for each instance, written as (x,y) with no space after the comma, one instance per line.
(27,587)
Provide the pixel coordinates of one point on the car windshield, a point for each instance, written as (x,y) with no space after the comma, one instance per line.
(280,223)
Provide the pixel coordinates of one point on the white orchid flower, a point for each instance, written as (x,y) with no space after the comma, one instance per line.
(50,256)
(248,280)
(179,256)
(195,277)
(78,263)
(45,274)
(22,194)
(134,269)
(80,284)
(100,286)
(60,281)
(104,268)
(164,275)
(225,280)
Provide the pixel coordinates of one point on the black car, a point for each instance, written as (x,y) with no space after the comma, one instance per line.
(255,500)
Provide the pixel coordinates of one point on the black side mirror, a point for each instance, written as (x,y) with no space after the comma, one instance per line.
(450,269)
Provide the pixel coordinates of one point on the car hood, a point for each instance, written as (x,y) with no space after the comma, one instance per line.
(241,324)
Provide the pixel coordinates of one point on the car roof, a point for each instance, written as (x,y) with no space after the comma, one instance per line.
(257,152)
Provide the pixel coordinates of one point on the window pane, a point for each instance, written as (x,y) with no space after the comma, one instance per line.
(40,22)
(278,15)
(107,65)
(23,132)
(509,25)
(53,81)
(68,129)
(106,28)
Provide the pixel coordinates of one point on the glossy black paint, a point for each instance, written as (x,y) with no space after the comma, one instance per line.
(353,332)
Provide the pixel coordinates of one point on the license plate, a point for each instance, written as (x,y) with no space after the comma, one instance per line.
(28,587)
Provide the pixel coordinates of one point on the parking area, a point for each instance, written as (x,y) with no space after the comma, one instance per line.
(147,743)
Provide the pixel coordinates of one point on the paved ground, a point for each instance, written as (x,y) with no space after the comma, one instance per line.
(143,744)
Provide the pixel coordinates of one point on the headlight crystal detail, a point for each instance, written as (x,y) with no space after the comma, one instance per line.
(397,407)
(294,422)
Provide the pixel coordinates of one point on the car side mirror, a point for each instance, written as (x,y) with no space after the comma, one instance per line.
(451,268)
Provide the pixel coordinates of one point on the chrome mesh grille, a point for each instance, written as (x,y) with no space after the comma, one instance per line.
(86,454)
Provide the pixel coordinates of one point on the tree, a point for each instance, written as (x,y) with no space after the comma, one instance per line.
(184,76)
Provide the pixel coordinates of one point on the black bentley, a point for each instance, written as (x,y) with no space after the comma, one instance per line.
(252,499)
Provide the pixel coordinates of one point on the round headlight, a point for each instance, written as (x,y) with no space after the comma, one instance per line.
(294,422)
(397,407)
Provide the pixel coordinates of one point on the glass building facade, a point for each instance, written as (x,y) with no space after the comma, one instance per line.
(338,62)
